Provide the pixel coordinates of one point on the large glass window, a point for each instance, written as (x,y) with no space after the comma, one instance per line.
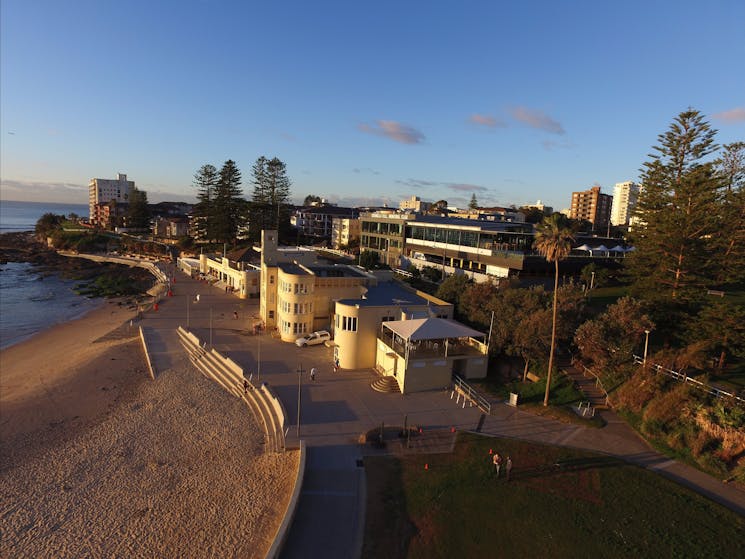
(469,238)
(453,237)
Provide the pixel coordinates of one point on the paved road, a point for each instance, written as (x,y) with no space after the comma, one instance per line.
(337,407)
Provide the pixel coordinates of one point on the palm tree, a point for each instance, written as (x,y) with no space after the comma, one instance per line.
(553,240)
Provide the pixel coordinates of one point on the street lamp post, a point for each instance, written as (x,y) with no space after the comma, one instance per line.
(210,327)
(299,379)
(646,346)
(592,280)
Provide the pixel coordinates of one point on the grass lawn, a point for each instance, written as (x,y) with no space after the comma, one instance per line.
(589,506)
(562,397)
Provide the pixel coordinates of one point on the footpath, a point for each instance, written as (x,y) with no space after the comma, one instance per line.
(337,408)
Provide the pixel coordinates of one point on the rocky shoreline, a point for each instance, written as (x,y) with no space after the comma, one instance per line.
(97,279)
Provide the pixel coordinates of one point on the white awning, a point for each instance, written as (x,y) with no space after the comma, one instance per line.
(431,329)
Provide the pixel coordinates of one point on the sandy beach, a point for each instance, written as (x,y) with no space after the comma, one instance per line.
(99,460)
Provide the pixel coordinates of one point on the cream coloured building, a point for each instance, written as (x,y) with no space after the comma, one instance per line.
(360,309)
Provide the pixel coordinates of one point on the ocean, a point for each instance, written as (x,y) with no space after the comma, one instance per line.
(22,216)
(30,302)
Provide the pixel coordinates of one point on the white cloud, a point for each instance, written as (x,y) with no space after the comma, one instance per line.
(733,115)
(488,121)
(537,119)
(393,131)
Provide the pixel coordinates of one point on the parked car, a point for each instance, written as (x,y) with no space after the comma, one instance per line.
(314,338)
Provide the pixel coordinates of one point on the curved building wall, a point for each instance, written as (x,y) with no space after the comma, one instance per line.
(294,305)
(356,331)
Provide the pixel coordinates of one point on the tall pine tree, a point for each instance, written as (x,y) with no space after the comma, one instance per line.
(731,235)
(228,203)
(678,211)
(269,208)
(205,181)
(138,212)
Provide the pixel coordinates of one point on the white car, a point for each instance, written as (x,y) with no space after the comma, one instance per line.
(313,338)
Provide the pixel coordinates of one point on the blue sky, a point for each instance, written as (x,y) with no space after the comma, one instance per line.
(366,102)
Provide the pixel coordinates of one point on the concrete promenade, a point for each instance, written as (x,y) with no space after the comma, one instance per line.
(337,407)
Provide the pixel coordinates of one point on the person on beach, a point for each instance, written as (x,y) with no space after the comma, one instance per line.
(497,461)
(508,467)
(313,373)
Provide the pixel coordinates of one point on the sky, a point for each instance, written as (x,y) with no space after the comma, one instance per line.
(366,102)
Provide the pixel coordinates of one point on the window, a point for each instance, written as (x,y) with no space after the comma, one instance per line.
(271,279)
(349,323)
(271,314)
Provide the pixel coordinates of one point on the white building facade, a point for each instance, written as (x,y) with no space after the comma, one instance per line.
(103,191)
(625,195)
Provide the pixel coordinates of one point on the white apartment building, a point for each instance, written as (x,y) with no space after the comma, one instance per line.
(625,195)
(103,191)
(343,231)
(414,204)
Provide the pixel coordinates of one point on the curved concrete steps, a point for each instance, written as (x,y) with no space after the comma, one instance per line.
(386,385)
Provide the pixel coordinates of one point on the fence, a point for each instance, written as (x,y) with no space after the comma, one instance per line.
(683,377)
(464,388)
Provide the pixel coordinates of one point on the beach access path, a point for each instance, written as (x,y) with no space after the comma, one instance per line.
(337,408)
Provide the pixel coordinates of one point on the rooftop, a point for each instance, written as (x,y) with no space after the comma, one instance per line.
(386,293)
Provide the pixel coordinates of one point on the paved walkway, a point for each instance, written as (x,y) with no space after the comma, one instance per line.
(337,408)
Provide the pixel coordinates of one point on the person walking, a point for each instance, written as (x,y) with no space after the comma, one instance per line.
(508,467)
(312,373)
(336,364)
(497,461)
(245,386)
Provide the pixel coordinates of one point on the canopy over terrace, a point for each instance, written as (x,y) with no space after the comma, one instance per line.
(424,353)
(424,337)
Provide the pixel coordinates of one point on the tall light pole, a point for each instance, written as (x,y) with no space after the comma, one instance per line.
(646,346)
(258,368)
(299,379)
(592,280)
(210,327)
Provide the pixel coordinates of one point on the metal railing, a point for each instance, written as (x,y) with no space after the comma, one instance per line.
(472,394)
(587,371)
(684,378)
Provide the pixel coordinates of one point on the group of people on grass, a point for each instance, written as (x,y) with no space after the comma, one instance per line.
(497,461)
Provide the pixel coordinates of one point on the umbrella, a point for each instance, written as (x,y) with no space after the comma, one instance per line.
(618,248)
(582,247)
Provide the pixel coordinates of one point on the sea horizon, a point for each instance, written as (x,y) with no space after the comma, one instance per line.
(18,216)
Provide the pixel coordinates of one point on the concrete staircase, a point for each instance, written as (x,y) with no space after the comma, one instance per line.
(262,402)
(386,384)
(588,385)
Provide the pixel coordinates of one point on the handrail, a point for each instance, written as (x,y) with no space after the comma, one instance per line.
(472,394)
(598,382)
(683,377)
